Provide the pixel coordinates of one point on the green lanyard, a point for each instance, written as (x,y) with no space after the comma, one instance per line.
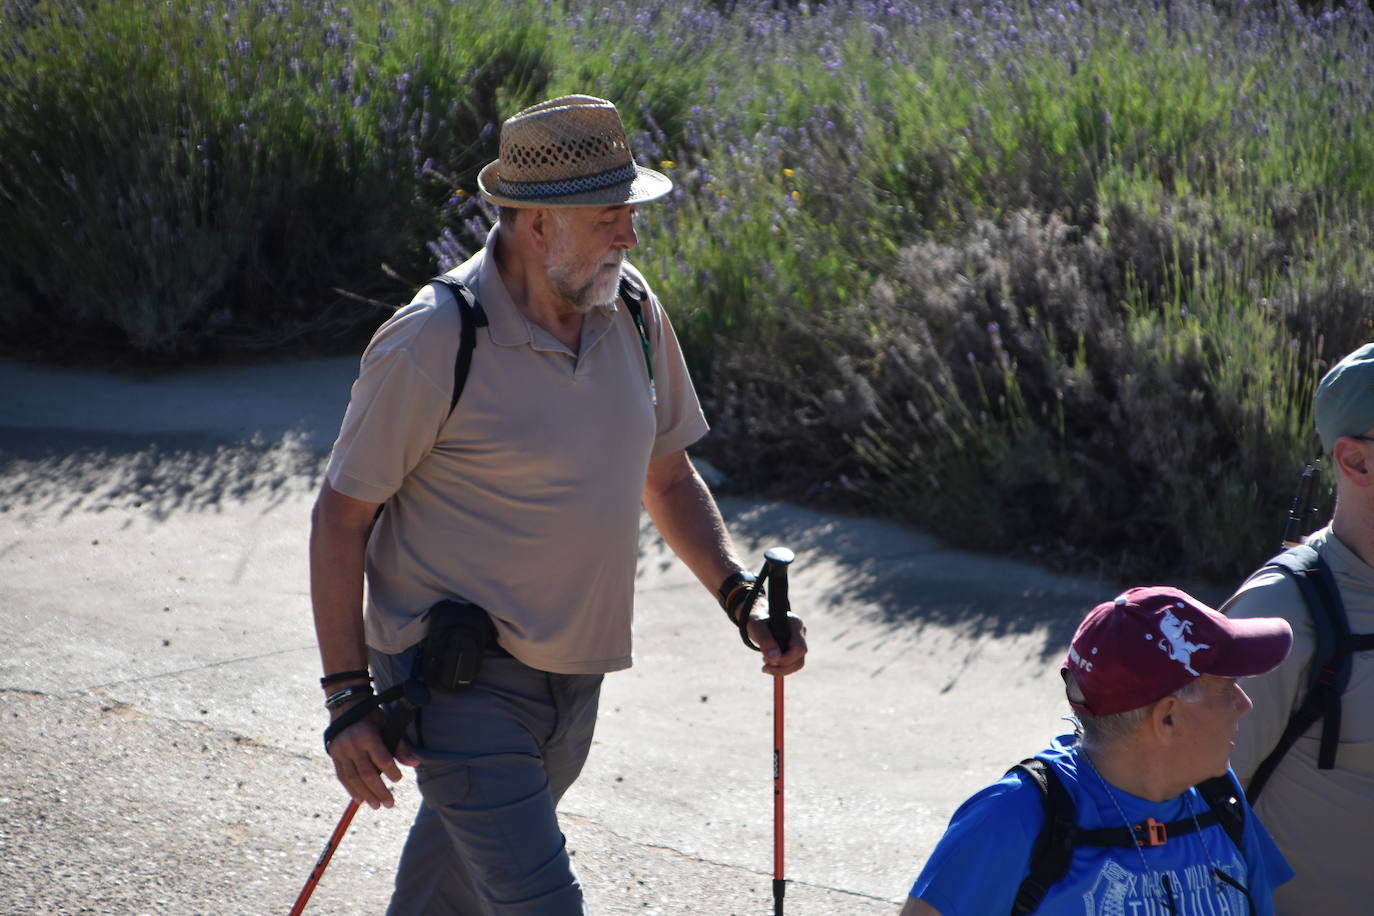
(633,296)
(648,356)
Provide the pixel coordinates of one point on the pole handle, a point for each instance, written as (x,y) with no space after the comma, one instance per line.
(414,694)
(775,563)
(1293,528)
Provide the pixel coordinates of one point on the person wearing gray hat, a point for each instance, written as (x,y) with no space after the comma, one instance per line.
(1306,752)
(497,532)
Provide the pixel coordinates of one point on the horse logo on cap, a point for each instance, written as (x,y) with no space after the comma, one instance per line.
(1175,642)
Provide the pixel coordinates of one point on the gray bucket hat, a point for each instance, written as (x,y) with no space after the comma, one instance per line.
(1344,402)
(568,152)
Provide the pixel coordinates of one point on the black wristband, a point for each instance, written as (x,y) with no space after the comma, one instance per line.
(344,676)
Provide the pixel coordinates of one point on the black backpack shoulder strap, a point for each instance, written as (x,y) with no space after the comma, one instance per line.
(633,295)
(471,317)
(1052,852)
(1330,667)
(1223,797)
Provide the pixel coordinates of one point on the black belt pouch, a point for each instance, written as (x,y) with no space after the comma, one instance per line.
(451,655)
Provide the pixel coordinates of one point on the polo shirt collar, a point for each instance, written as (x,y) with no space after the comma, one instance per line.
(507,327)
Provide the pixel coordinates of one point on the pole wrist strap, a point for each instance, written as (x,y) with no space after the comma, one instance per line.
(738,594)
(727,588)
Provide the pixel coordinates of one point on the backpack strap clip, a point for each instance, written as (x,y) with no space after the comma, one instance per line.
(1151,833)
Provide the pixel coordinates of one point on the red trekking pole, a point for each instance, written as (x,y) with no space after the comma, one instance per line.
(775,562)
(318,871)
(409,697)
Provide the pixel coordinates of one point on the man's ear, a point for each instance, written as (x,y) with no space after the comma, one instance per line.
(1352,462)
(1163,717)
(539,225)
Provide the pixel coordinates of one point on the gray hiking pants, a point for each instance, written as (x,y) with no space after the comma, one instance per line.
(494,761)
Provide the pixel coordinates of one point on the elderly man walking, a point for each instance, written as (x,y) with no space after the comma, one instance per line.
(1316,790)
(1138,811)
(509,518)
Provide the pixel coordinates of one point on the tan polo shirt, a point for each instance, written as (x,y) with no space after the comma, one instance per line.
(1322,820)
(526,500)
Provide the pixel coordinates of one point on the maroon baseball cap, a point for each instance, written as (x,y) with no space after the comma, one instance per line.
(1152,640)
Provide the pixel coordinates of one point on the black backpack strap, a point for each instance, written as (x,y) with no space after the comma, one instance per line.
(471,317)
(633,295)
(1223,797)
(1150,833)
(1335,672)
(1053,850)
(1330,666)
(1052,853)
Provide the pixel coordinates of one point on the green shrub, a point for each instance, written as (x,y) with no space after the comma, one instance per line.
(213,174)
(1041,276)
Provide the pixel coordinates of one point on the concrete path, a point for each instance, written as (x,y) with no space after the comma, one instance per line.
(160,749)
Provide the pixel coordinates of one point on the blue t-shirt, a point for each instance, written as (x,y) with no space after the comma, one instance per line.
(980,862)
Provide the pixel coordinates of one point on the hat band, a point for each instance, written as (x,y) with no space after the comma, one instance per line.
(539,190)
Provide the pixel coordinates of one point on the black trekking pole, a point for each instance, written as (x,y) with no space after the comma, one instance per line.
(775,562)
(412,695)
(1295,526)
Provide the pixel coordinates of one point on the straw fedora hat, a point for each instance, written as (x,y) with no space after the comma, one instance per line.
(568,152)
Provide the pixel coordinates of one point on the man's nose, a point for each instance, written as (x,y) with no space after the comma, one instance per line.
(1243,701)
(625,236)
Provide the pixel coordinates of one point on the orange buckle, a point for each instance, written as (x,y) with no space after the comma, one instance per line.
(1151,833)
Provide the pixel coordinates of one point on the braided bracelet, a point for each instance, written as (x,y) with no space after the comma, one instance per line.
(339,698)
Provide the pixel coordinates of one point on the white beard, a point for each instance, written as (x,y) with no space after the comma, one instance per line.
(596,291)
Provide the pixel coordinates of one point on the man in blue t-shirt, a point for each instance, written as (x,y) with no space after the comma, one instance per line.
(1151,677)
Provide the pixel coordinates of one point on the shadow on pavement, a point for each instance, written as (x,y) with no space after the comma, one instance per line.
(896,577)
(904,580)
(66,472)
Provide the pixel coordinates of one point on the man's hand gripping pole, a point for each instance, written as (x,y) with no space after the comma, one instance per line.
(409,697)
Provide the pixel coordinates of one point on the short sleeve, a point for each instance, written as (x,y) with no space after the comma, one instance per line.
(1266,865)
(678,413)
(398,404)
(980,862)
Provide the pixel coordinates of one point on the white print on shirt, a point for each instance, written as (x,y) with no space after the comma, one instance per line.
(1107,896)
(1175,641)
(1118,892)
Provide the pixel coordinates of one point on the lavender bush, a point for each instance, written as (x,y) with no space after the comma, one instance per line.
(176,176)
(1039,275)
